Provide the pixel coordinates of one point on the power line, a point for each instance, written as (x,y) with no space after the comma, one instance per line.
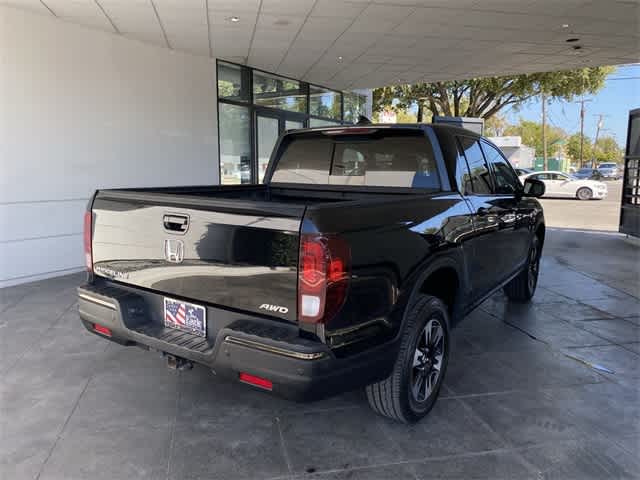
(582,102)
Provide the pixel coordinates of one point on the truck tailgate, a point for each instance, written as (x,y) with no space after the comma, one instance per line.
(231,253)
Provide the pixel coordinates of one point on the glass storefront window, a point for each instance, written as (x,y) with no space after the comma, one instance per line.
(316,122)
(325,103)
(233,82)
(235,144)
(278,92)
(354,106)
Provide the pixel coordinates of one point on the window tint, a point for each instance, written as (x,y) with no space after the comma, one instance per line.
(505,178)
(463,177)
(304,160)
(393,159)
(480,177)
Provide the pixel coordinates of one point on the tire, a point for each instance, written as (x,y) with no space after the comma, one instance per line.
(411,390)
(522,288)
(584,193)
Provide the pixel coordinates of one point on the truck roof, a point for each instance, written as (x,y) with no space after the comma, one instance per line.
(408,126)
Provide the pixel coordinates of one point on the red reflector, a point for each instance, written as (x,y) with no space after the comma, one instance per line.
(103,330)
(350,131)
(88,253)
(257,381)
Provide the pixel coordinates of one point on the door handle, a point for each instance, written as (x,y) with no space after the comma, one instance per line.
(176,223)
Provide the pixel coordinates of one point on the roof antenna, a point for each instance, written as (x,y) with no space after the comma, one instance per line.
(362,120)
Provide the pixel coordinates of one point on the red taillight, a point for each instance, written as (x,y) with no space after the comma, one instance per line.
(102,330)
(256,381)
(88,255)
(324,271)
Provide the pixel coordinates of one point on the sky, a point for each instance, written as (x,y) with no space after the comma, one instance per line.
(620,94)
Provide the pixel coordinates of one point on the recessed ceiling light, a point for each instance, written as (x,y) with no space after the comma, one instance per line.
(234,19)
(565,25)
(571,40)
(340,58)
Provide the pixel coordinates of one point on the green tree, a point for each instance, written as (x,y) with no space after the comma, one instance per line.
(607,150)
(404,116)
(531,133)
(485,97)
(573,148)
(495,126)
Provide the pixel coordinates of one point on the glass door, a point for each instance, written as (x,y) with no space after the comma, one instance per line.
(269,126)
(267,133)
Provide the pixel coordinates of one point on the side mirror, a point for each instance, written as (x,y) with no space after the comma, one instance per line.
(534,188)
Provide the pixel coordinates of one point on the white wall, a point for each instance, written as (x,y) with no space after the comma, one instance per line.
(82,110)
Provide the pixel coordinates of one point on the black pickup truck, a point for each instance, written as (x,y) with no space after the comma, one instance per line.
(346,269)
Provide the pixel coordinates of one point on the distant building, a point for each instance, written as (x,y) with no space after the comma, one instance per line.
(519,155)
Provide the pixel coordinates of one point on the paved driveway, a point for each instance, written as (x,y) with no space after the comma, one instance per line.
(547,390)
(601,215)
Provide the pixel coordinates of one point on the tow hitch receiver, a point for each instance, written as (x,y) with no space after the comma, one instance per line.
(178,363)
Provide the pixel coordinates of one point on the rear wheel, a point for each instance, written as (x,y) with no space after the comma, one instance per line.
(523,287)
(584,193)
(409,393)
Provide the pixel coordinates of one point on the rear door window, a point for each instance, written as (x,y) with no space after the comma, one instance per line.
(480,176)
(393,158)
(505,179)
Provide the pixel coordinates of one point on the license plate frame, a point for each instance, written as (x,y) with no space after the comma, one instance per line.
(185,316)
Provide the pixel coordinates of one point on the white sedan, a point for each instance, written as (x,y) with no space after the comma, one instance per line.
(559,184)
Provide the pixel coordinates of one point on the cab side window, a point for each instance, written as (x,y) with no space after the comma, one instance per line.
(541,176)
(505,179)
(479,181)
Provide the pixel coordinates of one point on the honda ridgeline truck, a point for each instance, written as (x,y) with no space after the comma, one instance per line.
(347,268)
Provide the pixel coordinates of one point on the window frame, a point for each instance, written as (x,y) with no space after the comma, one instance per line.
(246,75)
(426,133)
(462,152)
(518,186)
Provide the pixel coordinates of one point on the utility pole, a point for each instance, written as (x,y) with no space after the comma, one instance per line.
(544,132)
(595,142)
(582,102)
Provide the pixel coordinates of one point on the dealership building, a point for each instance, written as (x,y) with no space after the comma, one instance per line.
(132,93)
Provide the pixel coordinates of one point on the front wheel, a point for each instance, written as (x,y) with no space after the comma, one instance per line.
(584,193)
(411,390)
(523,287)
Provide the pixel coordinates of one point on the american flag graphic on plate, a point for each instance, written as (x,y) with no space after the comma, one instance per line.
(185,316)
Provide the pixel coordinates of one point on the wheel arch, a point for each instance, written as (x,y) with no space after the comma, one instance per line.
(444,279)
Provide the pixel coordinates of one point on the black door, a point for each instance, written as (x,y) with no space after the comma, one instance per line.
(477,188)
(513,212)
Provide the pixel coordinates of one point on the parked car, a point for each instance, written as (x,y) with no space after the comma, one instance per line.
(610,170)
(588,174)
(523,171)
(563,185)
(346,269)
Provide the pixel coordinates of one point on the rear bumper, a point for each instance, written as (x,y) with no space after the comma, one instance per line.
(299,369)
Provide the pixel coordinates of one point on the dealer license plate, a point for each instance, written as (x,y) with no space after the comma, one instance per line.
(185,316)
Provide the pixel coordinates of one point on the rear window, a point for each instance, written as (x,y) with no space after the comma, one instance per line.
(389,159)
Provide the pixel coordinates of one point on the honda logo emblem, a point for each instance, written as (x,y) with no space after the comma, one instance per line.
(173,250)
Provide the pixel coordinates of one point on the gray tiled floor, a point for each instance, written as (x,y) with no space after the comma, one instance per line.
(545,390)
